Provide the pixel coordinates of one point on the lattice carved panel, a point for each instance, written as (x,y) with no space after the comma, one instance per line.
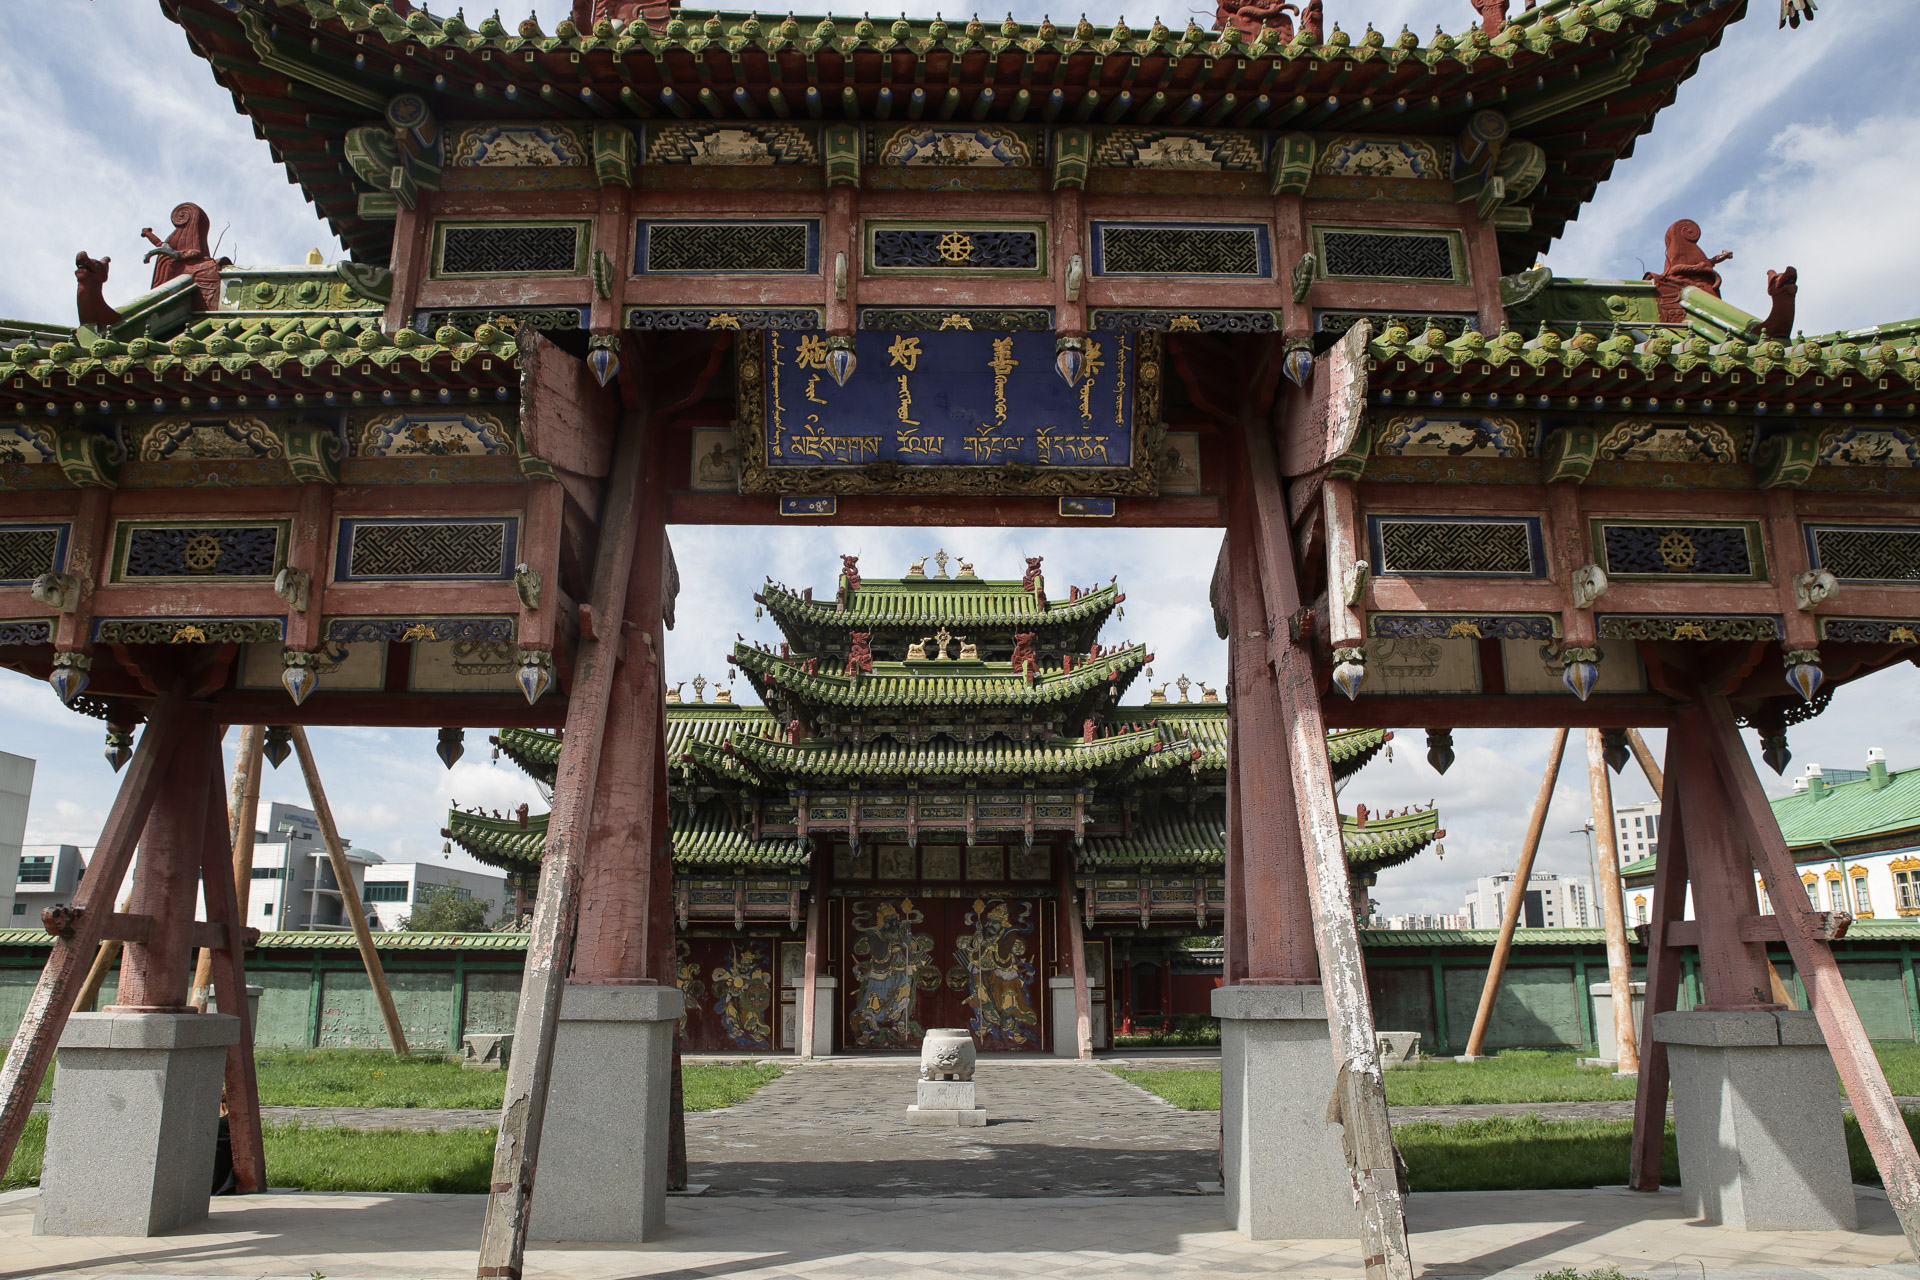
(1411,545)
(426,548)
(1858,553)
(718,247)
(27,551)
(551,248)
(1389,255)
(1181,251)
(1685,551)
(961,249)
(198,551)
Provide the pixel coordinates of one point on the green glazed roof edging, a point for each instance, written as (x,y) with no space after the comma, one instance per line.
(1854,810)
(933,602)
(943,683)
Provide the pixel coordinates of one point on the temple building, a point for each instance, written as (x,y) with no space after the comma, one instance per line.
(944,810)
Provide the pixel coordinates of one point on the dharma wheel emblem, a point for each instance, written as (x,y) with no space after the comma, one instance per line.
(201,553)
(955,247)
(1677,552)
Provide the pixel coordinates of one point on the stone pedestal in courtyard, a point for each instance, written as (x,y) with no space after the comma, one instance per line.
(1757,1120)
(946,1102)
(1283,1168)
(1603,1037)
(1066,1019)
(603,1153)
(136,1110)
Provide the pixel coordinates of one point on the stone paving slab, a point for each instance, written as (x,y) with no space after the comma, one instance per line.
(1510,1235)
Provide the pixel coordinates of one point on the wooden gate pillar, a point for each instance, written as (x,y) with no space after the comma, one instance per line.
(1733,968)
(157,969)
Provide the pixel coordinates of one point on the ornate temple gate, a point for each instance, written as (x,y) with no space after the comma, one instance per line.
(1113,289)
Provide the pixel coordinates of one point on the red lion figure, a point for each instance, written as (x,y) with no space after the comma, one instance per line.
(859,652)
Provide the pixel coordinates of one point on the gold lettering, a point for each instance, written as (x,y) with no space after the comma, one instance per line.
(905,351)
(1002,364)
(906,403)
(1094,365)
(813,383)
(773,383)
(812,353)
(1052,448)
(1120,382)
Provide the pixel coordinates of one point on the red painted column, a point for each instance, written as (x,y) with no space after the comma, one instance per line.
(1276,920)
(1733,973)
(155,974)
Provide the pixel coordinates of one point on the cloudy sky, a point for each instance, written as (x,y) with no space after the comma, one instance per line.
(1790,147)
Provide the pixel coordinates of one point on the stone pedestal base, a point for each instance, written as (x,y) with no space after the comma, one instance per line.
(1284,1171)
(136,1111)
(1066,1019)
(603,1153)
(482,1051)
(946,1102)
(1603,1037)
(1757,1120)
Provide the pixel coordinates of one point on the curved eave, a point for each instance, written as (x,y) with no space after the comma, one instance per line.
(536,751)
(959,604)
(1388,842)
(1199,844)
(291,67)
(706,841)
(499,842)
(935,684)
(763,757)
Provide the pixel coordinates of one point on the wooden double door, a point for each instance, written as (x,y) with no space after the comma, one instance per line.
(911,961)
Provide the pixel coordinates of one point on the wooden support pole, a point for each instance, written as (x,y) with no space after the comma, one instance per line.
(246,780)
(1612,906)
(1070,924)
(1881,1123)
(103,962)
(67,965)
(229,983)
(1655,778)
(1663,979)
(516,1153)
(1516,897)
(350,901)
(809,977)
(1362,1099)
(156,968)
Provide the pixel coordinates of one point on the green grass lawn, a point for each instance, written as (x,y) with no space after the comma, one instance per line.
(361,1078)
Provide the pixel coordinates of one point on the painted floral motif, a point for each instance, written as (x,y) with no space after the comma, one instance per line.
(892,964)
(209,439)
(1380,158)
(1463,436)
(743,988)
(23,444)
(1644,440)
(975,148)
(414,435)
(995,974)
(519,146)
(1135,148)
(743,144)
(1869,447)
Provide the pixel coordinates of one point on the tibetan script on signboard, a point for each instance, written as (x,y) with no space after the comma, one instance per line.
(948,399)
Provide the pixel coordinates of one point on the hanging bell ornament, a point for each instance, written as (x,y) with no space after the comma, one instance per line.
(1070,357)
(279,744)
(119,747)
(69,678)
(452,745)
(1439,749)
(536,673)
(299,674)
(603,357)
(1613,748)
(1803,672)
(1350,670)
(1298,365)
(1580,671)
(840,357)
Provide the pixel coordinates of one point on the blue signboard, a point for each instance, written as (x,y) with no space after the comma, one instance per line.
(948,399)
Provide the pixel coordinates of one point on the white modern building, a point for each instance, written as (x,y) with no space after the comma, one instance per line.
(1549,902)
(16,791)
(49,876)
(293,882)
(391,890)
(1636,830)
(1416,921)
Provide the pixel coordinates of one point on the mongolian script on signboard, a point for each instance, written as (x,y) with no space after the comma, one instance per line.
(948,399)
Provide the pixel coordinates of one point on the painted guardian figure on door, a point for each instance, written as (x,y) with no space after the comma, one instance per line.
(995,974)
(744,987)
(892,964)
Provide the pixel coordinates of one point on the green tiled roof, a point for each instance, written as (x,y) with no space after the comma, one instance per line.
(1483,937)
(1851,811)
(938,684)
(1200,842)
(707,839)
(932,603)
(1388,842)
(775,757)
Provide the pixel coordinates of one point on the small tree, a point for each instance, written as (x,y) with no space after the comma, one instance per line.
(446,910)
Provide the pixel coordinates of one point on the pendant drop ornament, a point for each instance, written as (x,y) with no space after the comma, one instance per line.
(1613,748)
(1773,750)
(536,673)
(69,678)
(279,744)
(299,675)
(1298,365)
(840,358)
(603,357)
(1804,675)
(1070,357)
(119,747)
(1439,749)
(451,746)
(1350,670)
(1580,672)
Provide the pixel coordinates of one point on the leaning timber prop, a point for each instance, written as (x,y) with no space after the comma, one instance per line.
(1362,1101)
(87,921)
(1516,897)
(227,968)
(1612,906)
(516,1153)
(349,900)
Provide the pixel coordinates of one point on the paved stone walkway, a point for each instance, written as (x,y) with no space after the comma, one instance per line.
(1055,1128)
